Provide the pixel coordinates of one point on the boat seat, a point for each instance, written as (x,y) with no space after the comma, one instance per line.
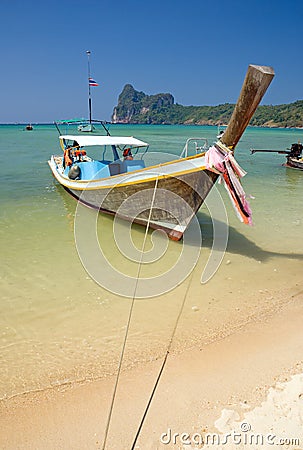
(131,165)
(93,169)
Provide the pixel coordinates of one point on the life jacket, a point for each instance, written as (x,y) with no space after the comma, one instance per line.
(67,159)
(127,154)
(80,152)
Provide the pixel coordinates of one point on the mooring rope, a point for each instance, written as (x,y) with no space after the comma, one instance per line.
(163,364)
(129,318)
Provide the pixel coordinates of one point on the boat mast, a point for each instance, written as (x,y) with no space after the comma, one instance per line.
(89,91)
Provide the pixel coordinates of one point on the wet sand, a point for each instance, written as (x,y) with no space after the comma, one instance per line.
(234,373)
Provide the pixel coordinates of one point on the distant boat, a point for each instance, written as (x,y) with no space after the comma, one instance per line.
(29,127)
(294,155)
(163,196)
(87,125)
(221,130)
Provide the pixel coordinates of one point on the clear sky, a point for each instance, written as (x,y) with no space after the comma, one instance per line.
(197,50)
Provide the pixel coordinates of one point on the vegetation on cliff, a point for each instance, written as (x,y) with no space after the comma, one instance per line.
(137,107)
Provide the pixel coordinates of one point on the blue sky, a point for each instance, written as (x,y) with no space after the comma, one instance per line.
(198,50)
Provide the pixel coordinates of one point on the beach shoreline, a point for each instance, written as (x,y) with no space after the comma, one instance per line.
(197,385)
(62,333)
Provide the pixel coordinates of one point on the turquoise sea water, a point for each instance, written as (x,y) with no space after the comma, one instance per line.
(58,326)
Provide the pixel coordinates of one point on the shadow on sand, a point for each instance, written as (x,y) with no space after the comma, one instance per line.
(239,244)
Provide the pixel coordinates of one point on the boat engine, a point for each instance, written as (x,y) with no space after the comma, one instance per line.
(74,172)
(296,150)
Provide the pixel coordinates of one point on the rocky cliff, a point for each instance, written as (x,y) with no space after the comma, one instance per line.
(137,107)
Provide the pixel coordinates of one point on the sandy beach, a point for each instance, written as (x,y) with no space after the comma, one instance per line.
(120,254)
(211,389)
(239,338)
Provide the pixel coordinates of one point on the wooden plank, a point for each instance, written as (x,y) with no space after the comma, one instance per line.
(256,82)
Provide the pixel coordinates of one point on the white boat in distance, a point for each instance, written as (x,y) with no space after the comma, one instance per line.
(164,196)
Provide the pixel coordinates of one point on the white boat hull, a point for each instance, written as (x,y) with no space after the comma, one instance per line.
(86,128)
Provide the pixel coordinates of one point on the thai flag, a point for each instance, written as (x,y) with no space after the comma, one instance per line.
(92,82)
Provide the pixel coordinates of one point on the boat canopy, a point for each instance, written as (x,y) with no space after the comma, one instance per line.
(104,140)
(71,121)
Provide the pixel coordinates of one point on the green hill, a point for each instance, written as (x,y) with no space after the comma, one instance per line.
(137,107)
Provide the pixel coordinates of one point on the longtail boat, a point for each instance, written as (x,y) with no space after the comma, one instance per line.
(294,155)
(163,196)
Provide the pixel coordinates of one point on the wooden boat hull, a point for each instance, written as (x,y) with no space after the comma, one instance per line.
(170,207)
(166,196)
(294,163)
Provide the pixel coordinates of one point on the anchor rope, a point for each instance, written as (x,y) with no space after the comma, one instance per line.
(129,317)
(163,364)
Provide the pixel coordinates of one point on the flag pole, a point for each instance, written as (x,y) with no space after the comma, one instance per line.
(89,92)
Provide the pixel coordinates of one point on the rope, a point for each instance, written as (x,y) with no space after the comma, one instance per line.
(163,364)
(219,144)
(129,318)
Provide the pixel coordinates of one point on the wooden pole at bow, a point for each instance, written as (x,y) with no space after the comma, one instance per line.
(256,82)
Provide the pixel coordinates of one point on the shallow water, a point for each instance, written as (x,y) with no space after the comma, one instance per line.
(58,326)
